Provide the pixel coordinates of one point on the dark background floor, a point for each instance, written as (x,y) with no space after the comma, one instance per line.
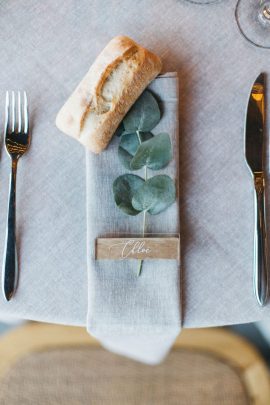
(258,334)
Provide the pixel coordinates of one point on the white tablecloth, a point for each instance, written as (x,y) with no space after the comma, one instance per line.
(46,48)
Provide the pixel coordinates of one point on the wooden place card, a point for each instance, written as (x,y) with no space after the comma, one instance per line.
(138,248)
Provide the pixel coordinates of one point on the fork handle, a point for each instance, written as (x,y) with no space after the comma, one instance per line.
(10,265)
(260,243)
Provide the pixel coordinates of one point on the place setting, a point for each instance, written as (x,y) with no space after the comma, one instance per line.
(134,173)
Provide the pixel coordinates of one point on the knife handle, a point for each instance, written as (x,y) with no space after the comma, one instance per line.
(260,242)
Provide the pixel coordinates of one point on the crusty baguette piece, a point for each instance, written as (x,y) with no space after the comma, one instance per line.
(113,83)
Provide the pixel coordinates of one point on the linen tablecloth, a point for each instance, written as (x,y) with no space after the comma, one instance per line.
(46,48)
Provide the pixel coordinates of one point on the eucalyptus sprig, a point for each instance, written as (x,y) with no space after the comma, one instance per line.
(140,148)
(134,195)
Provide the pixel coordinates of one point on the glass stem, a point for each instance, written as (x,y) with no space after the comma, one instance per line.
(264,13)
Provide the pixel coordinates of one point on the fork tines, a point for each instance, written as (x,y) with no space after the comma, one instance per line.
(16,112)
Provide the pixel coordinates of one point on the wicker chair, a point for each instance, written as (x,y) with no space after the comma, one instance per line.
(43,364)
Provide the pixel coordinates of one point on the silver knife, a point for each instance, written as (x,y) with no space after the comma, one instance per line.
(255,132)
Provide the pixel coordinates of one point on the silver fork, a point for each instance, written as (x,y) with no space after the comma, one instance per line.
(17,141)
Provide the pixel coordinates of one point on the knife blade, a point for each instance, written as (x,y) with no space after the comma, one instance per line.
(254,150)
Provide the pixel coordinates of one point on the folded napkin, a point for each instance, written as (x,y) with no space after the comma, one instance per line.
(135,316)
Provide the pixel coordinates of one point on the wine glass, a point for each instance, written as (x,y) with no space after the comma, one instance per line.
(253,20)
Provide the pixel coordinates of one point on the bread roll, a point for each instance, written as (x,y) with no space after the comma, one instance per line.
(113,83)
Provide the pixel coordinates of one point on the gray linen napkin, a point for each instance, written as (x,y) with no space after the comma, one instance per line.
(135,316)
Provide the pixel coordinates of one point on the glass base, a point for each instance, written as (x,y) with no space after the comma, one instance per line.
(253,20)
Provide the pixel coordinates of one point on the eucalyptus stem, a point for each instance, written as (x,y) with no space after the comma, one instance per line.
(139,136)
(144,212)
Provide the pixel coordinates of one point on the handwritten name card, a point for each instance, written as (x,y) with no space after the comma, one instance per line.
(138,248)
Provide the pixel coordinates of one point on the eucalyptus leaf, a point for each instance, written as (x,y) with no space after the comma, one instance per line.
(155,195)
(124,188)
(128,147)
(144,115)
(155,153)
